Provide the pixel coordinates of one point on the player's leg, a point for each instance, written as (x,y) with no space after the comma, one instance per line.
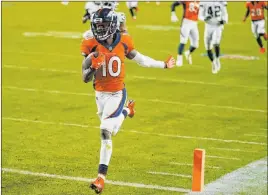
(261,33)
(184,35)
(113,116)
(254,28)
(208,37)
(194,43)
(217,40)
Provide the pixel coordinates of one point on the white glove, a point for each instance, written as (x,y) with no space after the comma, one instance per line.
(174,18)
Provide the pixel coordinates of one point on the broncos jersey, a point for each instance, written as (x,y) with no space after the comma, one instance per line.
(110,77)
(190,10)
(256,9)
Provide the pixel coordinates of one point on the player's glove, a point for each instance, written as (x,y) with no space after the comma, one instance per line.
(207,18)
(98,59)
(170,62)
(221,22)
(174,18)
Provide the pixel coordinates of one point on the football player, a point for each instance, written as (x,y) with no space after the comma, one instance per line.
(189,28)
(104,64)
(90,7)
(215,15)
(133,8)
(256,11)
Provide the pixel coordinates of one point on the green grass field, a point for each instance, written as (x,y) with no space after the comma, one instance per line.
(49,122)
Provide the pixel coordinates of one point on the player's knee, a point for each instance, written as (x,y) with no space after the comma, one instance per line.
(105,134)
(195,44)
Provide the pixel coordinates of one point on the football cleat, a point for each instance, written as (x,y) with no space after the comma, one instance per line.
(188,57)
(130,106)
(97,185)
(179,61)
(218,64)
(214,67)
(262,50)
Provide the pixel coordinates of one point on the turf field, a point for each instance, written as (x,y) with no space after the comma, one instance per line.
(49,121)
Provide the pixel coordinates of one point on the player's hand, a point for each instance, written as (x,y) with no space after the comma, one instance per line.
(244,19)
(221,22)
(174,18)
(170,62)
(97,60)
(207,18)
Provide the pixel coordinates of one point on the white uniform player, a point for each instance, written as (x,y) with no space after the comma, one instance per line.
(133,8)
(215,15)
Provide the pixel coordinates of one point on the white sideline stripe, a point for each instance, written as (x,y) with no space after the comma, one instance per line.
(235,150)
(140,77)
(256,135)
(150,100)
(118,183)
(246,179)
(220,157)
(190,165)
(172,174)
(138,132)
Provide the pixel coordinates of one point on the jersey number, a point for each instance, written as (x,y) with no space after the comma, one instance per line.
(256,12)
(113,60)
(216,13)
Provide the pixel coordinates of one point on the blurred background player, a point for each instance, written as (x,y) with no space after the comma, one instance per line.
(256,11)
(215,15)
(189,28)
(133,8)
(104,61)
(90,7)
(121,17)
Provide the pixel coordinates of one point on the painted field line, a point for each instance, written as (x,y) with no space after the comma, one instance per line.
(234,150)
(150,100)
(250,179)
(256,135)
(140,77)
(190,165)
(220,157)
(139,132)
(169,174)
(118,183)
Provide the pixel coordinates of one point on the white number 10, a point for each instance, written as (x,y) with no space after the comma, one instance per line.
(110,67)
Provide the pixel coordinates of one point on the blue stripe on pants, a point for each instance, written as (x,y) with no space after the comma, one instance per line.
(121,105)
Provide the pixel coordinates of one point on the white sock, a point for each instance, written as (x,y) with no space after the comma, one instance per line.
(106,152)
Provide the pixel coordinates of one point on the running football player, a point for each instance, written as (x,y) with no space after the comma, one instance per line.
(104,63)
(256,11)
(215,15)
(189,29)
(133,8)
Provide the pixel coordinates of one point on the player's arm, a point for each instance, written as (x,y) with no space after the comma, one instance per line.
(86,17)
(174,17)
(224,14)
(148,62)
(247,14)
(201,13)
(91,64)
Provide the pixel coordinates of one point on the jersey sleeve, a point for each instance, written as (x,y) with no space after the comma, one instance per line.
(129,44)
(247,4)
(86,46)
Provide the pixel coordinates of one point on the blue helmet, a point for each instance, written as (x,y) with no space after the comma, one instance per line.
(104,24)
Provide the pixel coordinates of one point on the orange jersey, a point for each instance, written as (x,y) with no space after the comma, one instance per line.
(256,9)
(191,9)
(110,77)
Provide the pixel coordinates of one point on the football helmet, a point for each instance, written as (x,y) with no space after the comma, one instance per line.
(104,24)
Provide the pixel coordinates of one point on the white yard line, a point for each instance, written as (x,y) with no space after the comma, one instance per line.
(140,77)
(233,150)
(190,165)
(220,157)
(118,183)
(169,174)
(250,179)
(139,132)
(150,100)
(256,135)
